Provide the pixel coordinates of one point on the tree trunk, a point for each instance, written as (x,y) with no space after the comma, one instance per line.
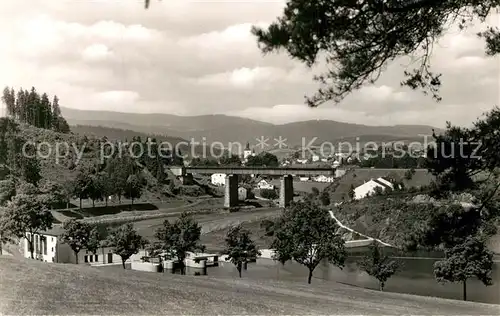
(183,267)
(80,203)
(93,203)
(310,276)
(381,286)
(464,283)
(32,250)
(76,256)
(119,199)
(123,262)
(106,201)
(238,267)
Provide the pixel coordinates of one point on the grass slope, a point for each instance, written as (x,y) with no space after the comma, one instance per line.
(31,287)
(358,176)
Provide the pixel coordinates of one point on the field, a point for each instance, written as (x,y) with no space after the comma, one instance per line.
(31,287)
(209,222)
(214,240)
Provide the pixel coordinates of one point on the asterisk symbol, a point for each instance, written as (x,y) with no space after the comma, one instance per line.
(280,142)
(262,142)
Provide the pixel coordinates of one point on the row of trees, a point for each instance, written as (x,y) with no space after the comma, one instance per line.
(32,108)
(176,239)
(263,159)
(389,161)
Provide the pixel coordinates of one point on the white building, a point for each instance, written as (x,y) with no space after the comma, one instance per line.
(315,158)
(323,178)
(368,188)
(218,179)
(264,185)
(304,179)
(49,248)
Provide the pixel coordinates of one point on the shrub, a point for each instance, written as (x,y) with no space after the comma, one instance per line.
(269,194)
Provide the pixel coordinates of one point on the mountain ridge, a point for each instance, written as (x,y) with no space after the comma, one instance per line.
(224,128)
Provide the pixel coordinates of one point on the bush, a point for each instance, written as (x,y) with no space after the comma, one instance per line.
(269,194)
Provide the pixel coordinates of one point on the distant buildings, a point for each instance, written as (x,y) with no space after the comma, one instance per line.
(218,179)
(265,185)
(243,193)
(248,152)
(368,188)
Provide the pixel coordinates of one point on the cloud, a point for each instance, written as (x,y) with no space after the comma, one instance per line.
(199,57)
(96,52)
(254,78)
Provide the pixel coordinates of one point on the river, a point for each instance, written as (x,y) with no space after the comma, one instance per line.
(416,277)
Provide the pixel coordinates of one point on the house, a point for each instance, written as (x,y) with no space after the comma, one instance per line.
(263,184)
(315,158)
(368,188)
(302,161)
(304,179)
(323,178)
(49,248)
(218,179)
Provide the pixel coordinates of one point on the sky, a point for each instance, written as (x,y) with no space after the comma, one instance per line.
(198,57)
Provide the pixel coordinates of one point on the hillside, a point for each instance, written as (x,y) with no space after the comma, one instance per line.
(31,287)
(64,169)
(236,129)
(357,176)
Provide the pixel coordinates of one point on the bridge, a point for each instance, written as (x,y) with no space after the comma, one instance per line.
(231,187)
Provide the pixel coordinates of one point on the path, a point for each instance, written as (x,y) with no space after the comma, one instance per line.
(353,231)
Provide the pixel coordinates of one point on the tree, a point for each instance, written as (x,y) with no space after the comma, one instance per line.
(54,194)
(25,216)
(378,265)
(30,170)
(95,188)
(263,159)
(105,185)
(9,99)
(134,188)
(315,191)
(358,40)
(179,238)
(464,261)
(307,234)
(7,190)
(269,194)
(240,248)
(325,198)
(118,170)
(79,235)
(125,242)
(351,193)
